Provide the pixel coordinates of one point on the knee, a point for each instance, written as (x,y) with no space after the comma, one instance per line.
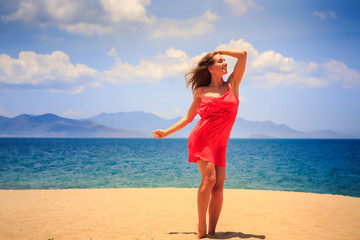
(210,181)
(217,190)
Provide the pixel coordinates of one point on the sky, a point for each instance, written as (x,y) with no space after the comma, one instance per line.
(80,58)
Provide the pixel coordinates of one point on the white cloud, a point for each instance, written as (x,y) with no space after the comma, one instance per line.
(45,11)
(271,69)
(239,7)
(336,71)
(50,71)
(25,12)
(3,112)
(271,59)
(185,29)
(97,17)
(267,69)
(243,99)
(45,38)
(172,63)
(86,29)
(71,113)
(176,112)
(132,10)
(325,15)
(103,17)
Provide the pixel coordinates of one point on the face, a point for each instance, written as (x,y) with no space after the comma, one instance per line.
(219,66)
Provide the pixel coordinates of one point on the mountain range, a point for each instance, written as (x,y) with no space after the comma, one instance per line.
(137,125)
(50,125)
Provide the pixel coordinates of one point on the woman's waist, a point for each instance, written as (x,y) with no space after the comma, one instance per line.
(218,115)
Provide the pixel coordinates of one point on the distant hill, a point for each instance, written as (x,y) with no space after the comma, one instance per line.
(244,129)
(146,122)
(137,125)
(50,125)
(139,121)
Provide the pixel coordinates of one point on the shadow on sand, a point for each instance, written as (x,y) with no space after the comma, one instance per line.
(225,235)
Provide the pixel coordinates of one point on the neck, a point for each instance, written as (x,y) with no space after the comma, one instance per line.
(216,81)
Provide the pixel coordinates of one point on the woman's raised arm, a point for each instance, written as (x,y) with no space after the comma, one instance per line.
(236,76)
(188,118)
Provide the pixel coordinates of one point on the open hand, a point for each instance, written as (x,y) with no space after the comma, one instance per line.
(159,133)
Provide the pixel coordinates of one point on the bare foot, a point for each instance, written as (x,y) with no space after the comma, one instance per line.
(200,233)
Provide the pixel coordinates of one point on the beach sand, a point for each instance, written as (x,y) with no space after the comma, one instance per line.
(170,213)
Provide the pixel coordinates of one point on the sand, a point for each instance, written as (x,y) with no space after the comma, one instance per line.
(170,213)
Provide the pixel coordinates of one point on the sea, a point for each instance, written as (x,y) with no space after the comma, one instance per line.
(302,165)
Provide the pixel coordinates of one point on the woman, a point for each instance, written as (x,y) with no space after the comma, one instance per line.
(216,102)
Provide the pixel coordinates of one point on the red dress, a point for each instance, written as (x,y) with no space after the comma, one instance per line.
(208,140)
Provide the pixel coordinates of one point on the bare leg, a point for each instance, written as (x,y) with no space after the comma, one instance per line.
(208,175)
(216,199)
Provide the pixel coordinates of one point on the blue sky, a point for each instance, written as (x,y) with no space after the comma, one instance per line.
(79,58)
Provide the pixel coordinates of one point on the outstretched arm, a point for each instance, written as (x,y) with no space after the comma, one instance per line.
(188,118)
(236,76)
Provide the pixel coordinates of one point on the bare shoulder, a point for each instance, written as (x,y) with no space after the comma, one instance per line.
(198,93)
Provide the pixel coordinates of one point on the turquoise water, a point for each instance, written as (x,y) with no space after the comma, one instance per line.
(319,166)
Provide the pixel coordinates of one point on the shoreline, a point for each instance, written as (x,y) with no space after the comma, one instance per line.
(170,213)
(117,188)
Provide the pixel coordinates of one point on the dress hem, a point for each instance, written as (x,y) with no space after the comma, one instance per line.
(196,158)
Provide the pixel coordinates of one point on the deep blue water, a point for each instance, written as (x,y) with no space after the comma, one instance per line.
(319,166)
